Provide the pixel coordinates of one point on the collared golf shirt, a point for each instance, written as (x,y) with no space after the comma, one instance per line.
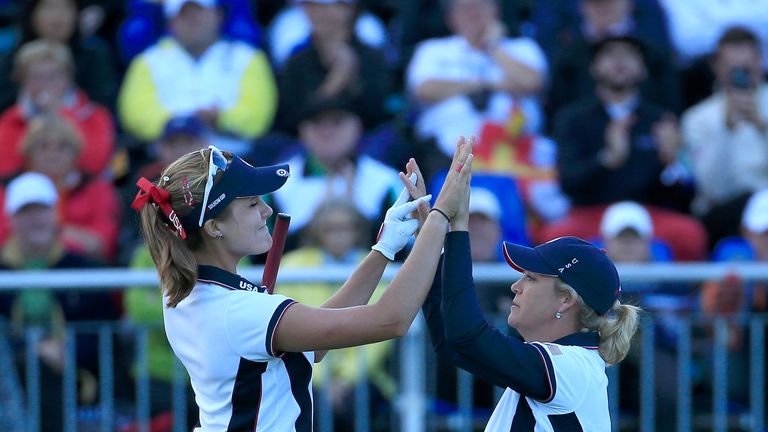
(224,332)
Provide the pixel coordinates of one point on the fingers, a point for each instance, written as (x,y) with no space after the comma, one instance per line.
(456,153)
(411,189)
(407,190)
(404,210)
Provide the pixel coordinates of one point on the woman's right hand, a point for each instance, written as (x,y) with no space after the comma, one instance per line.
(454,194)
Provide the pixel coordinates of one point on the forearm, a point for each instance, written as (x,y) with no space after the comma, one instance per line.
(432,91)
(359,288)
(474,344)
(407,291)
(519,78)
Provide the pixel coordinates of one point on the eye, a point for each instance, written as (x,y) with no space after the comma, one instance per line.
(530,278)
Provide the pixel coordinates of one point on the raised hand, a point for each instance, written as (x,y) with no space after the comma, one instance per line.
(398,224)
(454,194)
(416,187)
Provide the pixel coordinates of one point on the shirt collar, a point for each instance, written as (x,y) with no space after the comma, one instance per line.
(225,279)
(589,340)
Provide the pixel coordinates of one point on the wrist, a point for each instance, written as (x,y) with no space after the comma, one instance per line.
(440,212)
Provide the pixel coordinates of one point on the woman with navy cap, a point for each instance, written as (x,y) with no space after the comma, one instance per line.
(566,308)
(249,354)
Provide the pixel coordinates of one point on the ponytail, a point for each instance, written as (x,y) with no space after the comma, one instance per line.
(170,246)
(616,327)
(175,263)
(616,330)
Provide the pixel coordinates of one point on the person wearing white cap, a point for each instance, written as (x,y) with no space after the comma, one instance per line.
(196,72)
(754,223)
(35,243)
(484,226)
(627,230)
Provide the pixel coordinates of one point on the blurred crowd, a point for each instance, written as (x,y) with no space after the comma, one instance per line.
(641,125)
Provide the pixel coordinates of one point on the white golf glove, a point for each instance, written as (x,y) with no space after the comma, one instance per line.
(398,226)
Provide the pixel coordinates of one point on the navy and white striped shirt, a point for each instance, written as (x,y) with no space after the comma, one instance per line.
(223,332)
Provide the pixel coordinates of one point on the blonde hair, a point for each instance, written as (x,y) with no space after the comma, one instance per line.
(50,125)
(616,327)
(172,255)
(42,49)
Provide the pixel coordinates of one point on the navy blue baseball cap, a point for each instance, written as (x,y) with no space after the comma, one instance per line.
(239,179)
(188,125)
(577,262)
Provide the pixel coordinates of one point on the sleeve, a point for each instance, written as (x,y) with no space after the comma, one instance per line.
(578,168)
(105,218)
(251,322)
(99,138)
(424,65)
(527,52)
(703,141)
(569,372)
(139,107)
(252,114)
(480,348)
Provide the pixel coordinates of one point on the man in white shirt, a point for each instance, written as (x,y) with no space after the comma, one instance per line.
(475,76)
(726,135)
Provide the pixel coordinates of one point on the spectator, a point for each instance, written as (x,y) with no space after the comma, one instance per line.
(44,69)
(292,28)
(695,26)
(725,136)
(618,146)
(181,135)
(196,72)
(558,23)
(144,308)
(339,235)
(571,79)
(94,67)
(330,167)
(474,77)
(88,207)
(627,233)
(35,244)
(334,64)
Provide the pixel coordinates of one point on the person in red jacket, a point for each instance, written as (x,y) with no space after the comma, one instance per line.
(44,71)
(88,207)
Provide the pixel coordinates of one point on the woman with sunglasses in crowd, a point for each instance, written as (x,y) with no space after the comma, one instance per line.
(249,354)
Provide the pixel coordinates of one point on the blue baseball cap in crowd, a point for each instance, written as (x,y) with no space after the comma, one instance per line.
(239,179)
(577,262)
(187,125)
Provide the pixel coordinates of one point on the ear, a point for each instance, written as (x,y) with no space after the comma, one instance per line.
(568,302)
(210,228)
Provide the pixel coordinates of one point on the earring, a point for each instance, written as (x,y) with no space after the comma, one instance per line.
(219,235)
(558,315)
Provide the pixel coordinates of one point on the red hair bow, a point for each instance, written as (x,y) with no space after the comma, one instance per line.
(149,192)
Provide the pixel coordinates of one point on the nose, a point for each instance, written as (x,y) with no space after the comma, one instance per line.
(516,287)
(266,210)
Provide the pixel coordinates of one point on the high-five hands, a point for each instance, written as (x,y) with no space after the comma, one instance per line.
(399,225)
(453,199)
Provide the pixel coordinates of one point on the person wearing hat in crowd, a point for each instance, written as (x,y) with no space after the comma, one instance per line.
(616,146)
(334,64)
(194,71)
(36,243)
(626,232)
(249,354)
(330,166)
(181,135)
(566,309)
